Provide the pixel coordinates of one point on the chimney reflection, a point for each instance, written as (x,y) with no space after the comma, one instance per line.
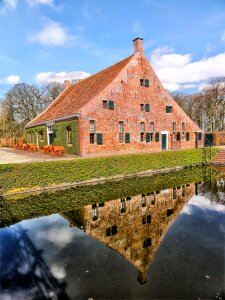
(133,226)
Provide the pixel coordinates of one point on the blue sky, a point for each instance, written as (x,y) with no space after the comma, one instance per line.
(44,40)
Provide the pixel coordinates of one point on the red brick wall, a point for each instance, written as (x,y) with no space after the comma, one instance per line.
(127,95)
(219,138)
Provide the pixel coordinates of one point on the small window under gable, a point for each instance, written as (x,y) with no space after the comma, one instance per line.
(105,104)
(147,107)
(144,82)
(169,109)
(147,243)
(169,212)
(111,104)
(183,126)
(108,104)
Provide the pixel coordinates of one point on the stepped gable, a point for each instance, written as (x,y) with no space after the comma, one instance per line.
(73,98)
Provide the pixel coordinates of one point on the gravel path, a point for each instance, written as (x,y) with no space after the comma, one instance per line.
(14,156)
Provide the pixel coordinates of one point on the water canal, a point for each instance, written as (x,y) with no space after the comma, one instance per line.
(159,237)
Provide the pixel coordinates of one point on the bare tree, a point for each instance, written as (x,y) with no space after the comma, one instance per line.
(52,90)
(22,103)
(206,108)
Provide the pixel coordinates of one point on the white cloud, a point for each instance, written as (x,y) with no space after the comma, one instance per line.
(58,271)
(51,34)
(46,77)
(10,3)
(205,204)
(42,2)
(11,79)
(60,237)
(178,71)
(7,5)
(187,210)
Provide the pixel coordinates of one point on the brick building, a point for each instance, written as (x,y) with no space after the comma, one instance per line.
(121,109)
(133,226)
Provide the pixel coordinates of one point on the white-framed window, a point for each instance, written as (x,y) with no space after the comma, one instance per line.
(50,128)
(92,126)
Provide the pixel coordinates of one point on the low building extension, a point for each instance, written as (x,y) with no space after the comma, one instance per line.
(121,109)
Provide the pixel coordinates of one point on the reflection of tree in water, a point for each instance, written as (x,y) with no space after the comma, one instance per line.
(214,189)
(23,267)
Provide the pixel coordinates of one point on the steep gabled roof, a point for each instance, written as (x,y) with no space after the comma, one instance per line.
(72,99)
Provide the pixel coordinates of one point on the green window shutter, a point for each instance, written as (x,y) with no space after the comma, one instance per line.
(168,109)
(157,137)
(148,138)
(147,107)
(187,136)
(146,82)
(127,138)
(111,104)
(99,138)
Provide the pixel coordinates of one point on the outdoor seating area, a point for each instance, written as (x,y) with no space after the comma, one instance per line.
(47,149)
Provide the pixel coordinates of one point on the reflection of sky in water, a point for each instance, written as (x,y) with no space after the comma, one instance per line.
(188,264)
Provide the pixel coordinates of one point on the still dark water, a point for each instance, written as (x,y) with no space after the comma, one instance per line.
(163,244)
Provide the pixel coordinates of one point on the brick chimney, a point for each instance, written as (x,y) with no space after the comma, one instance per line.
(67,84)
(138,45)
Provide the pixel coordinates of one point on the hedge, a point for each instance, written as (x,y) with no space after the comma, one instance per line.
(17,176)
(16,209)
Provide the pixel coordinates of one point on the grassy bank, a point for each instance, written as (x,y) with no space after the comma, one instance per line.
(17,176)
(16,209)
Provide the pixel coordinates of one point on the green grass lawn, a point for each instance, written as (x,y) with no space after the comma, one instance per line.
(17,176)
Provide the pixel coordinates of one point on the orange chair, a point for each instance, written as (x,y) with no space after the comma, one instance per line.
(58,150)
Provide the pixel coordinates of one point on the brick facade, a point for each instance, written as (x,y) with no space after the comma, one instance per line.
(133,226)
(130,113)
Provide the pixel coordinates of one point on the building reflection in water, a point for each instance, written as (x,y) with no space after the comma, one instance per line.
(133,226)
